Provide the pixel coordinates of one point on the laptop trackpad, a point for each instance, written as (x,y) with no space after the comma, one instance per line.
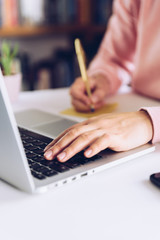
(45,123)
(32,117)
(53,129)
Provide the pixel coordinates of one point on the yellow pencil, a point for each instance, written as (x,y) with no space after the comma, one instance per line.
(81,60)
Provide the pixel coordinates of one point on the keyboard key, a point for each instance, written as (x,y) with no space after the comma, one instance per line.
(38,175)
(34,166)
(59,168)
(39,168)
(50,173)
(31,147)
(96,157)
(72,164)
(30,154)
(40,144)
(47,163)
(26,144)
(39,151)
(38,159)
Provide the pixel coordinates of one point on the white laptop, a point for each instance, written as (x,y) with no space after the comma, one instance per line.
(27,169)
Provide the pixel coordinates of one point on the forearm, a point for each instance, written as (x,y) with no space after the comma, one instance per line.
(114,60)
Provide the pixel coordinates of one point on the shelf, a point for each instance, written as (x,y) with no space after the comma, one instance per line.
(33,31)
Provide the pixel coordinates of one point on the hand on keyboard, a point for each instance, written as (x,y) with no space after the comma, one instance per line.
(115,131)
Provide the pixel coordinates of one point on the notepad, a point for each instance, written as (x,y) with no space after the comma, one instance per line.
(107,108)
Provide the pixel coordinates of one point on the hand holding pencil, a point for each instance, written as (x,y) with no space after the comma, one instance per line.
(81,60)
(87,93)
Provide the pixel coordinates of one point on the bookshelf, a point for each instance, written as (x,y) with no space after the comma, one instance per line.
(45,31)
(33,31)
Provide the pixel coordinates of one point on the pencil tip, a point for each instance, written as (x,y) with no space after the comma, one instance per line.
(92,109)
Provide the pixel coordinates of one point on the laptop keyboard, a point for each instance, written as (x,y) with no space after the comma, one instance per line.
(34,145)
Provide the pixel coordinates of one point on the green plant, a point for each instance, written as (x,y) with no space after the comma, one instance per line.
(7,56)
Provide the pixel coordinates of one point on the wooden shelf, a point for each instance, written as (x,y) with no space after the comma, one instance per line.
(33,31)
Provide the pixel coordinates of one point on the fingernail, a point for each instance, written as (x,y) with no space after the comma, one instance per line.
(45,148)
(88,152)
(48,154)
(61,156)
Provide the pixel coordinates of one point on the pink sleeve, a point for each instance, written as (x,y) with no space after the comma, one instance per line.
(114,59)
(154,113)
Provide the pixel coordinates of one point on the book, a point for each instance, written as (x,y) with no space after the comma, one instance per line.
(14,12)
(84,11)
(6,13)
(9,13)
(103,11)
(32,12)
(0,13)
(50,11)
(72,11)
(62,11)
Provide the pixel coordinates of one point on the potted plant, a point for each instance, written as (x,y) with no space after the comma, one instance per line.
(11,72)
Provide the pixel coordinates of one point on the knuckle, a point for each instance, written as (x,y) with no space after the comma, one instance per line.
(99,145)
(58,147)
(95,148)
(70,152)
(73,132)
(106,136)
(85,137)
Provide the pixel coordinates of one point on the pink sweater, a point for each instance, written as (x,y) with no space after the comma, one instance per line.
(130,50)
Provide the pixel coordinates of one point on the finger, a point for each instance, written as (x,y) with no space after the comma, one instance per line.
(98,145)
(55,140)
(60,136)
(80,106)
(83,141)
(78,91)
(81,97)
(65,141)
(93,83)
(99,105)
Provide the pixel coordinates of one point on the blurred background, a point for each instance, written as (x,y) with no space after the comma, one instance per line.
(45,31)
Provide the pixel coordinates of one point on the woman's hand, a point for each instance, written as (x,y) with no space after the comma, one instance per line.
(119,132)
(80,100)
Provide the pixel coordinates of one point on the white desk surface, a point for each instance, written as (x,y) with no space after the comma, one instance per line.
(118,203)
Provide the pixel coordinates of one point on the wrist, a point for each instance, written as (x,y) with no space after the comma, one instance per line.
(149,123)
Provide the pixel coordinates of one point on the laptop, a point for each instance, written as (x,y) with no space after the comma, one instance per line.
(22,163)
